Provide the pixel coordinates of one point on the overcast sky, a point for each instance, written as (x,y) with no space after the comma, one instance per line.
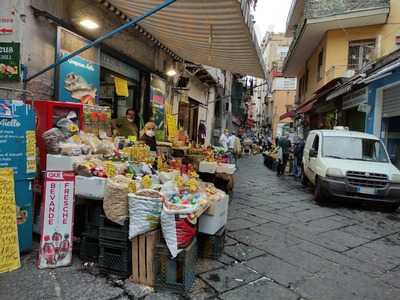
(271,15)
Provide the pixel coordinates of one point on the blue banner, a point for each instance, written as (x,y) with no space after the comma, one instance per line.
(79,80)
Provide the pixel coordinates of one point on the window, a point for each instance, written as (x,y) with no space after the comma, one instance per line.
(315,145)
(360,54)
(303,83)
(320,65)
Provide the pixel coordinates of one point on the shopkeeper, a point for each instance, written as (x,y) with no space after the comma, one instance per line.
(126,126)
(149,137)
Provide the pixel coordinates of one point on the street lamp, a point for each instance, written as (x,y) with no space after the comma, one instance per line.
(89,24)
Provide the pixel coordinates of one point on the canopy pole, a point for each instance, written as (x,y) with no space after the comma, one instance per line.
(108,35)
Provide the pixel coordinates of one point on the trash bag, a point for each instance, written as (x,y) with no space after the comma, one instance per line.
(144,212)
(115,203)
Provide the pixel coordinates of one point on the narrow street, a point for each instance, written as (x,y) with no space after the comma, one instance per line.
(280,245)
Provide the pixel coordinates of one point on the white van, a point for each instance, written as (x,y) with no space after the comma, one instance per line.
(352,165)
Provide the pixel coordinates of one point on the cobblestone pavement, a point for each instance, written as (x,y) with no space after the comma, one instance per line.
(280,245)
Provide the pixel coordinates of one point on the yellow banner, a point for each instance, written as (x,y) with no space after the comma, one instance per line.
(30,151)
(172,126)
(9,248)
(121,87)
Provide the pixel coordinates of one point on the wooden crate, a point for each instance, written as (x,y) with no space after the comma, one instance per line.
(143,251)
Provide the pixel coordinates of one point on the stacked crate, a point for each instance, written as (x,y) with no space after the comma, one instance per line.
(211,246)
(176,274)
(89,242)
(115,248)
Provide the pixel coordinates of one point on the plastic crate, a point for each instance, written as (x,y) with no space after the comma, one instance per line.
(89,248)
(91,231)
(115,258)
(93,213)
(211,246)
(109,230)
(143,253)
(176,274)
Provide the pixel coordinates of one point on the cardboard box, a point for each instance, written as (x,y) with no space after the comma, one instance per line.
(210,224)
(90,187)
(61,162)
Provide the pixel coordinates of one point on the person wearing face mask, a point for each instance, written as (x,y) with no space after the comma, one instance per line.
(149,136)
(126,126)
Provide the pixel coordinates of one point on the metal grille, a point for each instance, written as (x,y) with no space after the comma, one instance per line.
(363,179)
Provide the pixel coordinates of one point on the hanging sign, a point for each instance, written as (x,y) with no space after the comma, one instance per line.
(10,61)
(157,96)
(171,126)
(121,87)
(57,220)
(30,151)
(9,249)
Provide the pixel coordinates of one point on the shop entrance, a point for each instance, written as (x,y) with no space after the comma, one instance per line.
(354,119)
(392,138)
(109,97)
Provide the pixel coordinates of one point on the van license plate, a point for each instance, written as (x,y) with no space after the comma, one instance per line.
(367,191)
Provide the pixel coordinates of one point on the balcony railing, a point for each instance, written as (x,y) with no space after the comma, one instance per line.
(327,8)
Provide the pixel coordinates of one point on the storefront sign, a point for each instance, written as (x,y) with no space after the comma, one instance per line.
(9,249)
(10,23)
(119,67)
(10,61)
(78,79)
(57,220)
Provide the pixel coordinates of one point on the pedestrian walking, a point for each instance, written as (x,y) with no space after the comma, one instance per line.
(298,157)
(223,139)
(284,148)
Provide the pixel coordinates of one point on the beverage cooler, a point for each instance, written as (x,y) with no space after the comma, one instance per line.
(48,113)
(18,151)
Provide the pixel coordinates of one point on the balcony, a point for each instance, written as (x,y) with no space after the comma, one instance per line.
(309,20)
(339,71)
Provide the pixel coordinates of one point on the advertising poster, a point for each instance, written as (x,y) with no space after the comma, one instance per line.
(17,138)
(10,61)
(9,249)
(57,220)
(79,80)
(157,96)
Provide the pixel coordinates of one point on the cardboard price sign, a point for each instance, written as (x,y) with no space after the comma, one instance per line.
(9,249)
(57,220)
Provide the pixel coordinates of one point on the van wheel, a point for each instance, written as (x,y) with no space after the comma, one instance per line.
(319,196)
(392,207)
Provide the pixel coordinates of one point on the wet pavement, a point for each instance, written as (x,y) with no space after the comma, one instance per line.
(280,245)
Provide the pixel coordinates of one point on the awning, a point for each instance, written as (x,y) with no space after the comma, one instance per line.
(306,108)
(289,114)
(208,32)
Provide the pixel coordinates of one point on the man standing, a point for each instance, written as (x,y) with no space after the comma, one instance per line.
(284,145)
(223,140)
(126,126)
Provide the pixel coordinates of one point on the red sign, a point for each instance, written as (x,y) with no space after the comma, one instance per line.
(57,220)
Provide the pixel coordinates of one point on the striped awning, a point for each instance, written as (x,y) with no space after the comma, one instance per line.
(217,33)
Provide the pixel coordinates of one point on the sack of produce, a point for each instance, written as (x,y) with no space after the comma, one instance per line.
(178,232)
(115,202)
(52,138)
(144,212)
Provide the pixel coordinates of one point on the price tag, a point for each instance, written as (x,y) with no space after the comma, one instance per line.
(110,169)
(132,138)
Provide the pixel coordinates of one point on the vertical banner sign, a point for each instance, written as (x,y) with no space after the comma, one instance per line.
(30,151)
(9,250)
(78,79)
(10,68)
(57,220)
(157,96)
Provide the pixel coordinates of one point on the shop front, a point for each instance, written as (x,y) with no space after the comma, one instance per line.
(352,115)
